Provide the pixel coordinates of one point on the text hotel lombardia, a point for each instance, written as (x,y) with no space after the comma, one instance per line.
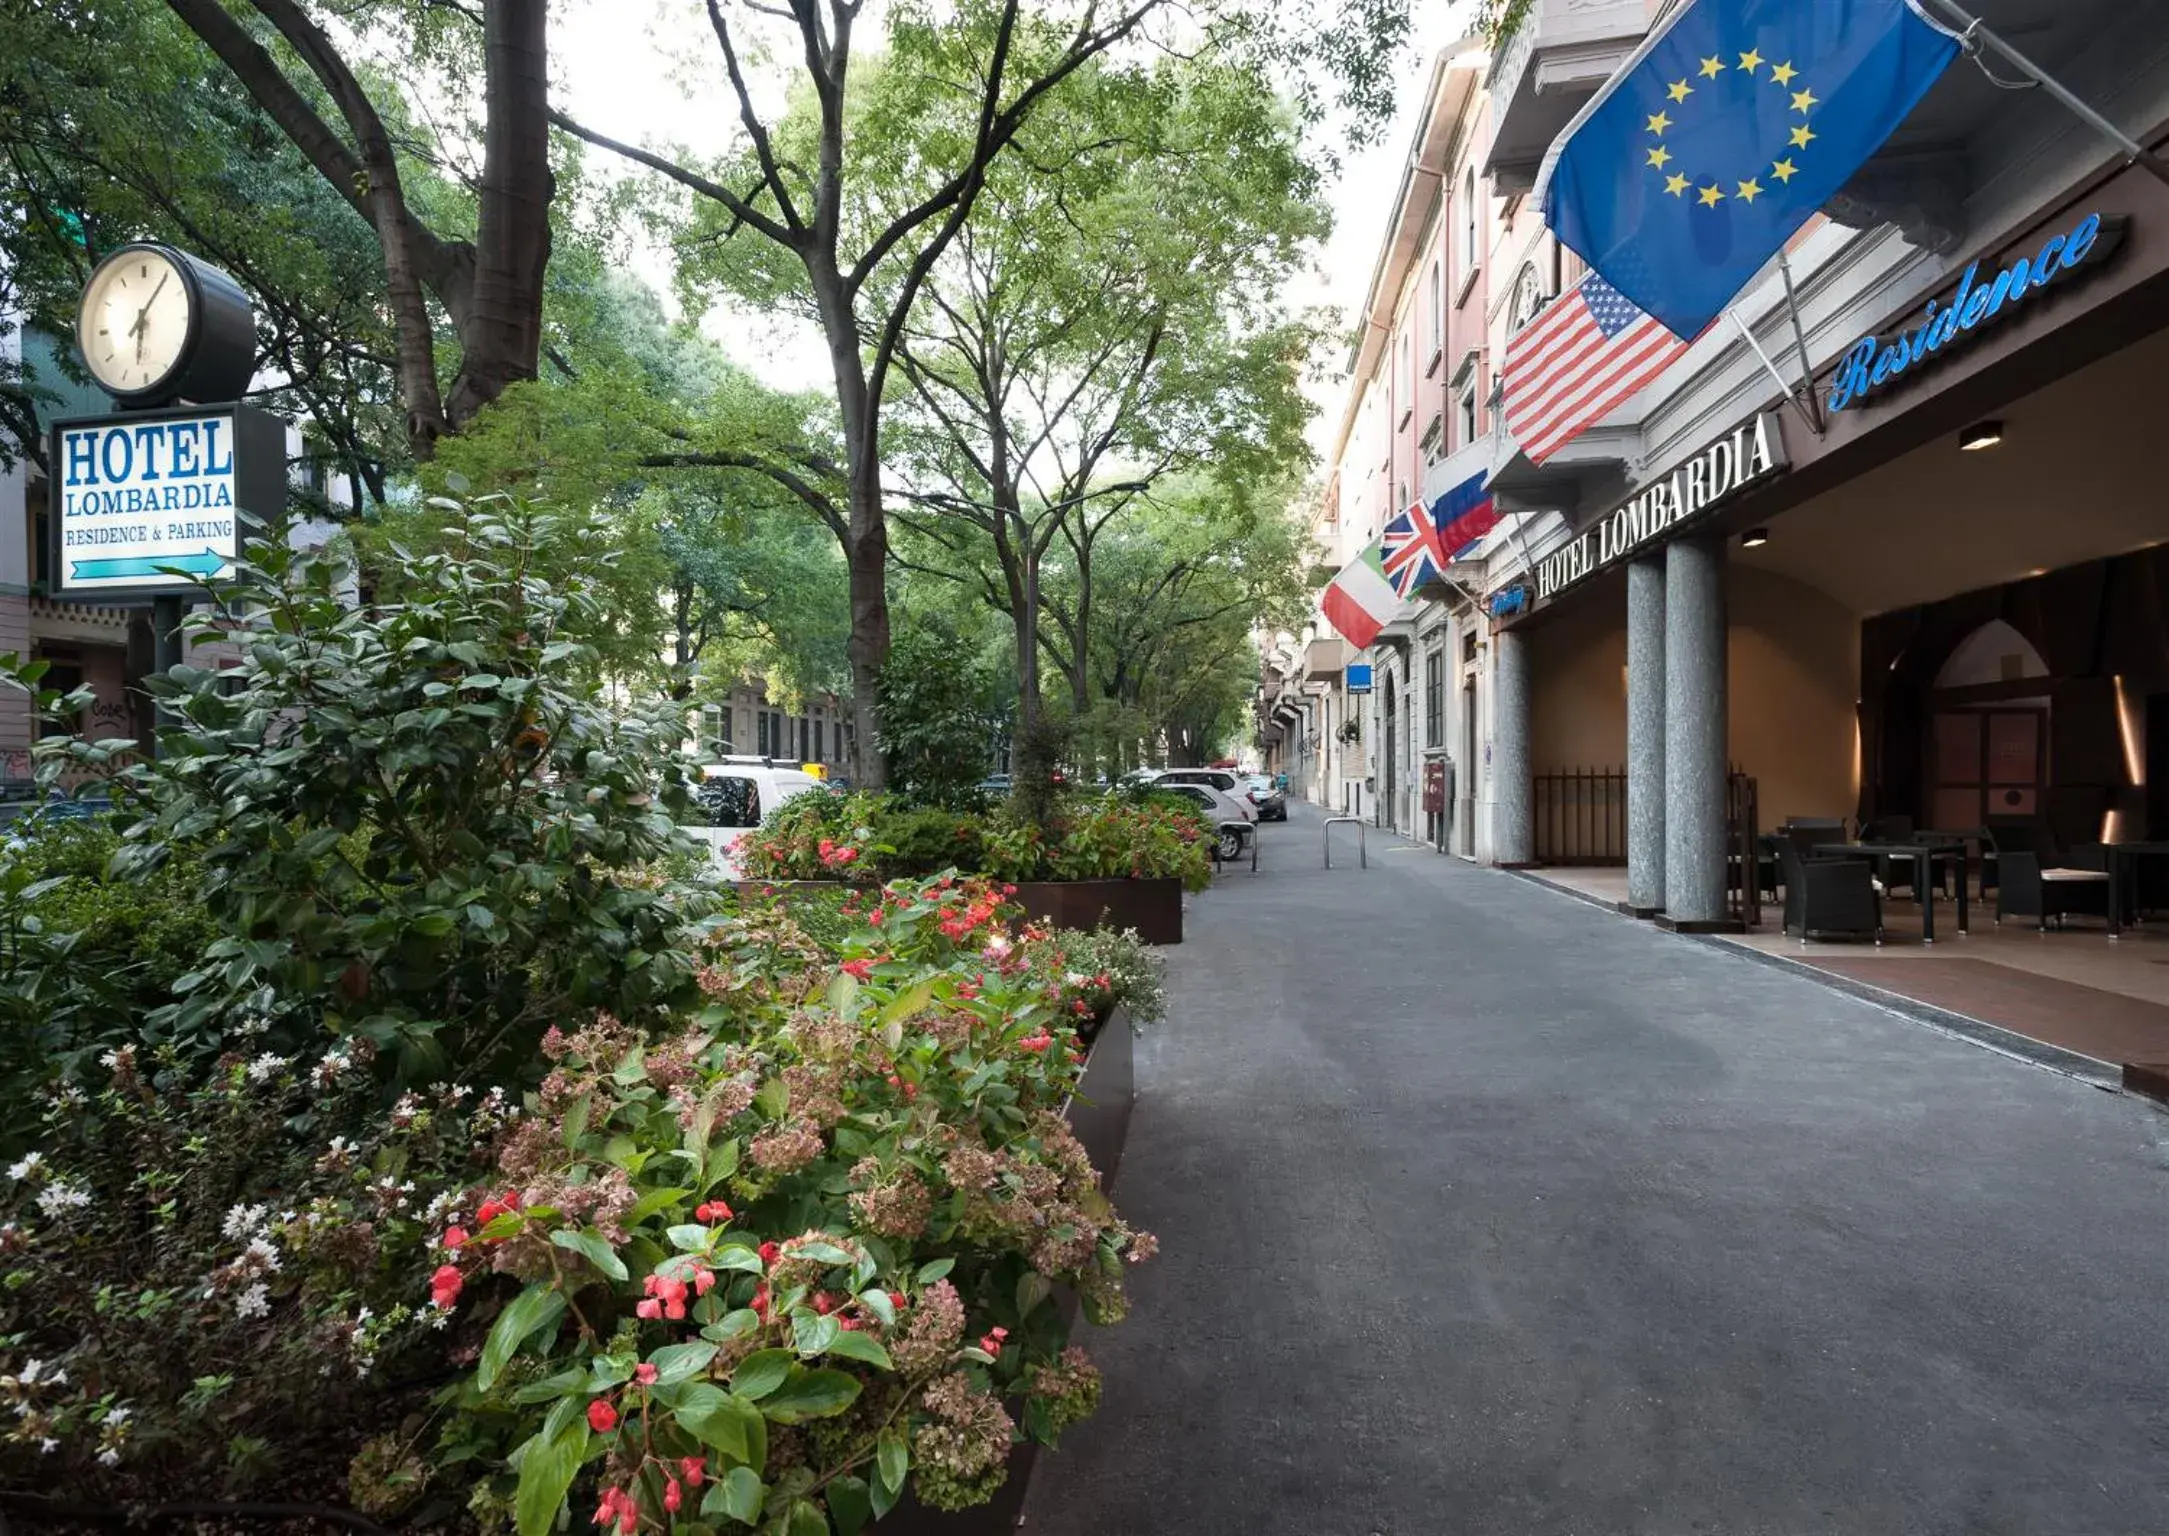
(1754,451)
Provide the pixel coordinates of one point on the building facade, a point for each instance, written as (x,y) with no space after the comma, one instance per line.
(1935,592)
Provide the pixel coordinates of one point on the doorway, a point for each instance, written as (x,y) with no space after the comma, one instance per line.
(1987,764)
(1389,807)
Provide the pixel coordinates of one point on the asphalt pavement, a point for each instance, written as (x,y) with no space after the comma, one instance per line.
(1483,1210)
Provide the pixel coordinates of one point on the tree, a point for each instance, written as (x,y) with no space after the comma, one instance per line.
(185,155)
(986,65)
(489,285)
(1114,312)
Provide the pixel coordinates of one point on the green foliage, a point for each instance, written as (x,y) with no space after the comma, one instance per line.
(212,1270)
(83,955)
(418,823)
(937,731)
(807,1242)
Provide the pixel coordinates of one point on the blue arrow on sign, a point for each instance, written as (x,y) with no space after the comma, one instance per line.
(209,563)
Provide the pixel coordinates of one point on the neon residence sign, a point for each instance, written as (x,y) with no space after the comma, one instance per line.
(1875,363)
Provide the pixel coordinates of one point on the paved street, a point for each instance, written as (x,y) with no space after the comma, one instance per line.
(1483,1210)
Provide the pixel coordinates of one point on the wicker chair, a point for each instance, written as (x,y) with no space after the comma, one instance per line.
(1830,898)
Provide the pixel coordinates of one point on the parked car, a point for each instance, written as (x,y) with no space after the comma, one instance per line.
(1212,778)
(1220,807)
(735,794)
(1266,796)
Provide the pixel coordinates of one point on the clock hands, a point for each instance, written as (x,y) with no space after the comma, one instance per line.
(143,315)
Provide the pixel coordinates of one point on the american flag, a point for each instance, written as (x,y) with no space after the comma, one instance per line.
(1577,362)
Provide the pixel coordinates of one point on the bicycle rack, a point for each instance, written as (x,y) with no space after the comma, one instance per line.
(1244,833)
(1363,853)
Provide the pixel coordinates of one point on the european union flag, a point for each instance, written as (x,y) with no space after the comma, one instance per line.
(1699,160)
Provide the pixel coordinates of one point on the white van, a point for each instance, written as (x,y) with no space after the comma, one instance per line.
(736,794)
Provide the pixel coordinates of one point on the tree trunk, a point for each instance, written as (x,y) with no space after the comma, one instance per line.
(868,560)
(500,332)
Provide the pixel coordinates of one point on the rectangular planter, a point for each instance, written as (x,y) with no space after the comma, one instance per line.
(1152,907)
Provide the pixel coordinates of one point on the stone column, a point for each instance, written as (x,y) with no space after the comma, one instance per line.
(1645,736)
(1513,831)
(1694,733)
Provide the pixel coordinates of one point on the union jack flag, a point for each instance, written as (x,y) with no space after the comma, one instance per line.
(1411,552)
(1417,546)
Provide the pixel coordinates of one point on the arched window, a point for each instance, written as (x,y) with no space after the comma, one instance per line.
(1528,298)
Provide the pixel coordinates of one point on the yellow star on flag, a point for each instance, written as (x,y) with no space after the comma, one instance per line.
(1658,122)
(1750,189)
(1784,170)
(1712,67)
(1802,100)
(1679,90)
(1660,156)
(1676,184)
(1712,195)
(1782,73)
(1750,60)
(1801,136)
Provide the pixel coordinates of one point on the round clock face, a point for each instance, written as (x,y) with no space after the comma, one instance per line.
(134,326)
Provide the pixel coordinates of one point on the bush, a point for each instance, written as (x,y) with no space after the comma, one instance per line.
(937,731)
(776,1270)
(211,1275)
(83,957)
(414,821)
(1092,837)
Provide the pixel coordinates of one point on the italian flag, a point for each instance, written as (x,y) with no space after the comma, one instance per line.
(1360,601)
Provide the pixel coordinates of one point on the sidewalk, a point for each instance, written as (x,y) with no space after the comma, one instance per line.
(1485,1211)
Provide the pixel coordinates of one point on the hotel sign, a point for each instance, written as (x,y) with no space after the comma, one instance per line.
(1876,362)
(1753,452)
(147,501)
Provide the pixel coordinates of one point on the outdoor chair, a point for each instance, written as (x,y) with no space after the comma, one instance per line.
(1830,898)
(2027,889)
(2000,837)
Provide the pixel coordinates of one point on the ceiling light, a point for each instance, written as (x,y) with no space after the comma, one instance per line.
(1754,538)
(1982,434)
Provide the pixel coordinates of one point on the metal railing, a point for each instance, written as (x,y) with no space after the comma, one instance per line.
(1580,816)
(1363,853)
(1743,850)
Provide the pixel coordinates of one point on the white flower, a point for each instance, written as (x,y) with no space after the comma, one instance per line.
(997,946)
(109,1457)
(243,1222)
(443,1207)
(266,1256)
(253,1302)
(29,1374)
(252,1026)
(29,1163)
(266,1067)
(60,1196)
(111,1061)
(328,1070)
(119,1415)
(48,1446)
(1075,979)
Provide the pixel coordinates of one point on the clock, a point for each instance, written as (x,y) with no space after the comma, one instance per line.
(159,326)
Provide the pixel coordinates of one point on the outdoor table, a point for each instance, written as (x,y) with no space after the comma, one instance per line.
(1923,855)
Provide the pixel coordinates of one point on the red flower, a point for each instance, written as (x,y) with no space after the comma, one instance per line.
(644,1373)
(992,1343)
(759,1303)
(911,1090)
(713,1211)
(859,969)
(1036,1043)
(490,1211)
(455,1238)
(823,1303)
(601,1417)
(651,1309)
(899,1300)
(703,1281)
(673,1495)
(848,1324)
(876,916)
(695,1470)
(444,1286)
(768,1252)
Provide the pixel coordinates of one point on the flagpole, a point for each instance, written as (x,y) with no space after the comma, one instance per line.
(1799,341)
(1792,395)
(1978,32)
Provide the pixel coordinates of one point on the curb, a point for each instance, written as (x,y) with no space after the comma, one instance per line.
(2092,1071)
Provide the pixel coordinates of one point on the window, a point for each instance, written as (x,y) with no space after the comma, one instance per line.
(715,730)
(1433,439)
(1528,298)
(805,737)
(760,718)
(1469,417)
(1405,380)
(731,802)
(817,757)
(1438,312)
(1469,233)
(1434,697)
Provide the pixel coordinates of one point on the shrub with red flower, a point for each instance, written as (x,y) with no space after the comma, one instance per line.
(766,1332)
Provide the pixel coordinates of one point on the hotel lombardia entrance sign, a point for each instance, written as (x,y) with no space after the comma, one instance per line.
(1753,452)
(147,500)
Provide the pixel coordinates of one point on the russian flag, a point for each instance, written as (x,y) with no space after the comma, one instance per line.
(1464,515)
